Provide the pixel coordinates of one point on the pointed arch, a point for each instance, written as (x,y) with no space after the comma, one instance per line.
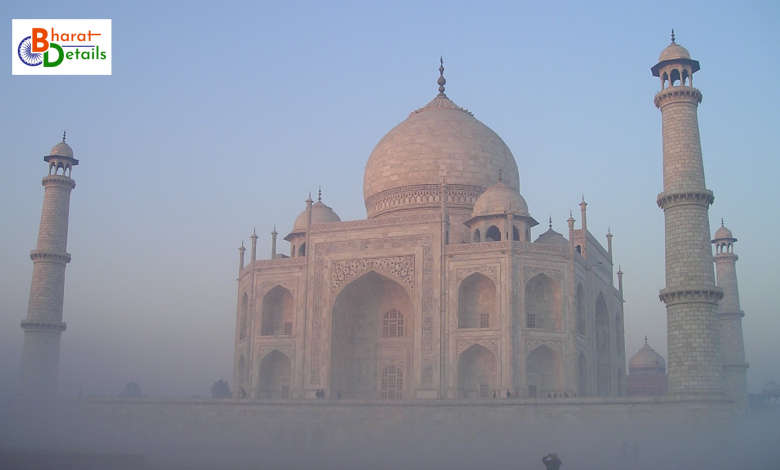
(674,77)
(277,313)
(477,302)
(515,233)
(580,306)
(477,372)
(543,371)
(604,370)
(476,236)
(302,250)
(582,375)
(274,376)
(493,234)
(360,351)
(242,316)
(242,375)
(543,302)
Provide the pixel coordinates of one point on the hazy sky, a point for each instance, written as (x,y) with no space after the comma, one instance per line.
(220,117)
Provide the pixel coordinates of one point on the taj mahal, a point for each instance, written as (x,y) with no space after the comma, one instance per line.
(443,293)
(447,297)
(440,293)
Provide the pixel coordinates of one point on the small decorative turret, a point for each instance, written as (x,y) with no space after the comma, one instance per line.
(274,234)
(241,251)
(253,237)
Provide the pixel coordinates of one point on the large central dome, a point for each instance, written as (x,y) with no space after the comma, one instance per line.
(440,140)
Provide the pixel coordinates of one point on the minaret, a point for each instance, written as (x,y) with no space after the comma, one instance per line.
(732,346)
(690,295)
(43,325)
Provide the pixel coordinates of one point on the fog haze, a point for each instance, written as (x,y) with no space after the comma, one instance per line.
(219,118)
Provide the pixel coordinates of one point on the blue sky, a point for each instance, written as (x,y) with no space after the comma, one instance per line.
(222,116)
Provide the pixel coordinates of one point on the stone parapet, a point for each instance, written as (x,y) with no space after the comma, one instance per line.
(58,180)
(691,294)
(48,256)
(677,94)
(668,199)
(43,325)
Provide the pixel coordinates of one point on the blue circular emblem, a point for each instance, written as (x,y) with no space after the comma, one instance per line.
(26,55)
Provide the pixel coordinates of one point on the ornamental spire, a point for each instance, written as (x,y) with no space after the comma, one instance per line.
(319,194)
(673,36)
(63,136)
(550,223)
(441,80)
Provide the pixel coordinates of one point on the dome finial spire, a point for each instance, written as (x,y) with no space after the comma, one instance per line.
(550,223)
(319,193)
(722,224)
(672,35)
(441,80)
(645,340)
(63,136)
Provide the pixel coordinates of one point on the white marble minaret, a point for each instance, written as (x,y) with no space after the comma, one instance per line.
(730,315)
(690,295)
(43,325)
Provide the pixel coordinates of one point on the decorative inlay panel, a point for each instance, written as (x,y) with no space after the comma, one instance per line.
(533,343)
(465,343)
(399,268)
(489,270)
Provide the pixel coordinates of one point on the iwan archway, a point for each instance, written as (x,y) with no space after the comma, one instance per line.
(371,340)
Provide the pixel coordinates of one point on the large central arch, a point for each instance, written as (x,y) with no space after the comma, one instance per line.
(477,372)
(371,340)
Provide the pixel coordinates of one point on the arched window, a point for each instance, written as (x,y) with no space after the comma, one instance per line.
(392,324)
(476,235)
(674,77)
(602,347)
(302,250)
(580,310)
(242,316)
(515,234)
(392,383)
(542,302)
(476,301)
(277,313)
(493,234)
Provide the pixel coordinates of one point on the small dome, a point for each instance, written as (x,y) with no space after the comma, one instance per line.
(61,150)
(551,237)
(647,358)
(723,233)
(500,199)
(320,214)
(674,51)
